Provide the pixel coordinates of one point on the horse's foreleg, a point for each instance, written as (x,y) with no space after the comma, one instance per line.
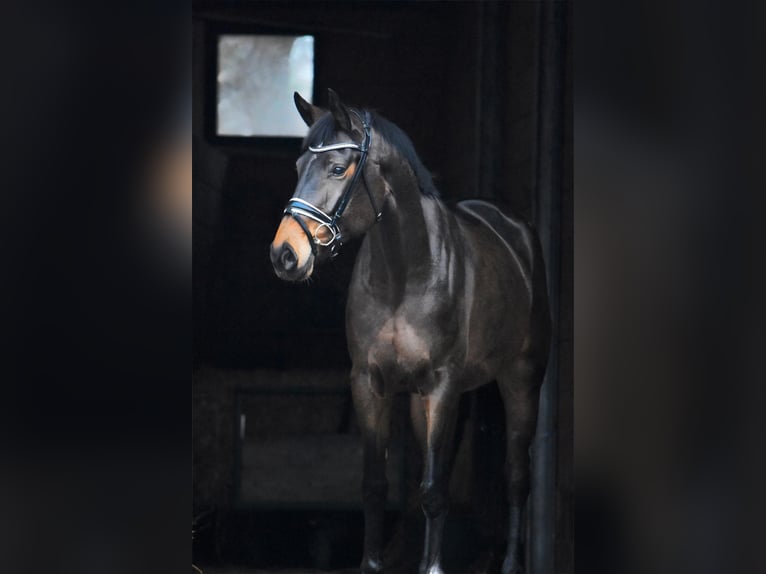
(520,398)
(441,416)
(374,413)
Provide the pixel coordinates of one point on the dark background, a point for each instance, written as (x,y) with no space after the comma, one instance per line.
(463,80)
(96,336)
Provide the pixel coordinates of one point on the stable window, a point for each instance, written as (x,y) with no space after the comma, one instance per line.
(256,77)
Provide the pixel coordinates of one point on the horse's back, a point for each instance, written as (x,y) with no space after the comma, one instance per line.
(512,231)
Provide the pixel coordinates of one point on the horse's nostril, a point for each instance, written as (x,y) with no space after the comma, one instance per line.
(288,258)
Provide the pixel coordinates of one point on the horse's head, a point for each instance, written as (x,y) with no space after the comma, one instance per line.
(339,193)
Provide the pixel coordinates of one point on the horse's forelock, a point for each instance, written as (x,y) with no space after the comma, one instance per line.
(321,132)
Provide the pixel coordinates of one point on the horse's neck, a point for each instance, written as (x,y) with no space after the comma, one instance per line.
(406,244)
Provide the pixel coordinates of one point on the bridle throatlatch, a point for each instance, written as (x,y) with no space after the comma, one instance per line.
(298,208)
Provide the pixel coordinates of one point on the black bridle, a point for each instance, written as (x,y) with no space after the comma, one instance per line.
(298,208)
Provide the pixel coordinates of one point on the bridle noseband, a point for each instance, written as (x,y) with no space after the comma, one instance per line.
(298,207)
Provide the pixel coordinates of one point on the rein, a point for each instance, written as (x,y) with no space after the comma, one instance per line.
(298,207)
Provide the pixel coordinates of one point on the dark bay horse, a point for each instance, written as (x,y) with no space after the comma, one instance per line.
(442,300)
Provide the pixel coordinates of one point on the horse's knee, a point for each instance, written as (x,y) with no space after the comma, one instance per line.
(518,481)
(517,459)
(529,368)
(433,499)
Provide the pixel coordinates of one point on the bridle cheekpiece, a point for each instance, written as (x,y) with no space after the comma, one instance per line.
(298,208)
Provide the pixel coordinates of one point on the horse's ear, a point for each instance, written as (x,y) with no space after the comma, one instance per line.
(308,112)
(339,111)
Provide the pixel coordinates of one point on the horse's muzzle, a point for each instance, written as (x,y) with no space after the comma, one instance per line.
(285,263)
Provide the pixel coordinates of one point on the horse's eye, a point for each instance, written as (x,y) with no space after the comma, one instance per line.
(338,170)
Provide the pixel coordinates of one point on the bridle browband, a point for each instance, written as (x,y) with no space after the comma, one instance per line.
(298,208)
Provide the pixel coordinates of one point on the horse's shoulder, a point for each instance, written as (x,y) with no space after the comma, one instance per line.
(515,233)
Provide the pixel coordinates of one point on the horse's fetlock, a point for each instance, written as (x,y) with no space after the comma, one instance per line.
(371,565)
(512,567)
(430,569)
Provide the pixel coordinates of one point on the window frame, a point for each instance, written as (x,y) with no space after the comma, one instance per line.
(279,145)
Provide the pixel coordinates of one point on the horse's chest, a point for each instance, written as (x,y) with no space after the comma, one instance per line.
(400,345)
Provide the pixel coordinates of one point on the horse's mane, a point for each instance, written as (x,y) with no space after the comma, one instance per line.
(324,129)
